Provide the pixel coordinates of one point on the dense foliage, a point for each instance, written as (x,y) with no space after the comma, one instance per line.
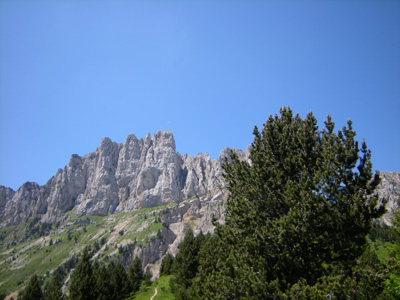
(185,265)
(104,282)
(54,291)
(297,219)
(135,275)
(91,281)
(392,284)
(166,265)
(32,290)
(83,280)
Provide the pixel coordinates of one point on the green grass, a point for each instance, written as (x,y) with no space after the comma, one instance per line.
(382,250)
(163,290)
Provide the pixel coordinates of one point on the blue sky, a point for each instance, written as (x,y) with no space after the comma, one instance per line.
(72,72)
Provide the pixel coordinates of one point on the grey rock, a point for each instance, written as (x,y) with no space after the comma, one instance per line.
(6,195)
(137,174)
(142,173)
(28,201)
(100,196)
(118,178)
(389,189)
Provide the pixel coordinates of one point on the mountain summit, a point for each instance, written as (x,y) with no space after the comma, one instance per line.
(139,173)
(134,199)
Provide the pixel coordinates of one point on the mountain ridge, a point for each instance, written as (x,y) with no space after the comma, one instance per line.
(125,177)
(138,198)
(115,178)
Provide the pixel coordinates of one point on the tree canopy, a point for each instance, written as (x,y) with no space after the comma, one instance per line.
(135,274)
(54,291)
(297,215)
(33,290)
(83,280)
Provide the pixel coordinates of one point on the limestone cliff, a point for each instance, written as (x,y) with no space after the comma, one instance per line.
(117,178)
(137,174)
(389,189)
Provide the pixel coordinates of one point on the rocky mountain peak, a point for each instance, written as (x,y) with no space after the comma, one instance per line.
(164,139)
(117,178)
(136,174)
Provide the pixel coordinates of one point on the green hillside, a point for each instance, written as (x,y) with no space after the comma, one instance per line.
(41,249)
(163,290)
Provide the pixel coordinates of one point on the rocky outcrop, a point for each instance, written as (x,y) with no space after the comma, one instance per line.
(118,178)
(389,190)
(28,201)
(195,214)
(152,251)
(6,195)
(149,172)
(139,173)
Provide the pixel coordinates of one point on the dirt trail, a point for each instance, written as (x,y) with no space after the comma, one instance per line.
(155,294)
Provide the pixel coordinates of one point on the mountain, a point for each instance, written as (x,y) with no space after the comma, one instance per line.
(117,178)
(123,200)
(139,198)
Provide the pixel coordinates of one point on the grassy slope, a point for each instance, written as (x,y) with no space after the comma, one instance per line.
(382,250)
(163,290)
(45,254)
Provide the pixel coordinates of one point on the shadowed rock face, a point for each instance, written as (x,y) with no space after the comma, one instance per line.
(117,178)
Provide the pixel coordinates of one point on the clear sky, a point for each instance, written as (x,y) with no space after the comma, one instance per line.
(72,72)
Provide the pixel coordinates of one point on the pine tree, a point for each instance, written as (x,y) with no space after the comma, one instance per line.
(211,251)
(118,281)
(54,291)
(147,277)
(104,289)
(33,290)
(297,214)
(166,265)
(135,274)
(83,282)
(186,263)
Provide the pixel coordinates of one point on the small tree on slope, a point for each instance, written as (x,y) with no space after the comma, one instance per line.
(33,290)
(83,283)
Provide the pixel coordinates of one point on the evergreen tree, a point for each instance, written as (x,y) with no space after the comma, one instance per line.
(104,289)
(297,214)
(83,283)
(211,252)
(166,265)
(135,274)
(118,281)
(54,291)
(33,290)
(186,264)
(147,277)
